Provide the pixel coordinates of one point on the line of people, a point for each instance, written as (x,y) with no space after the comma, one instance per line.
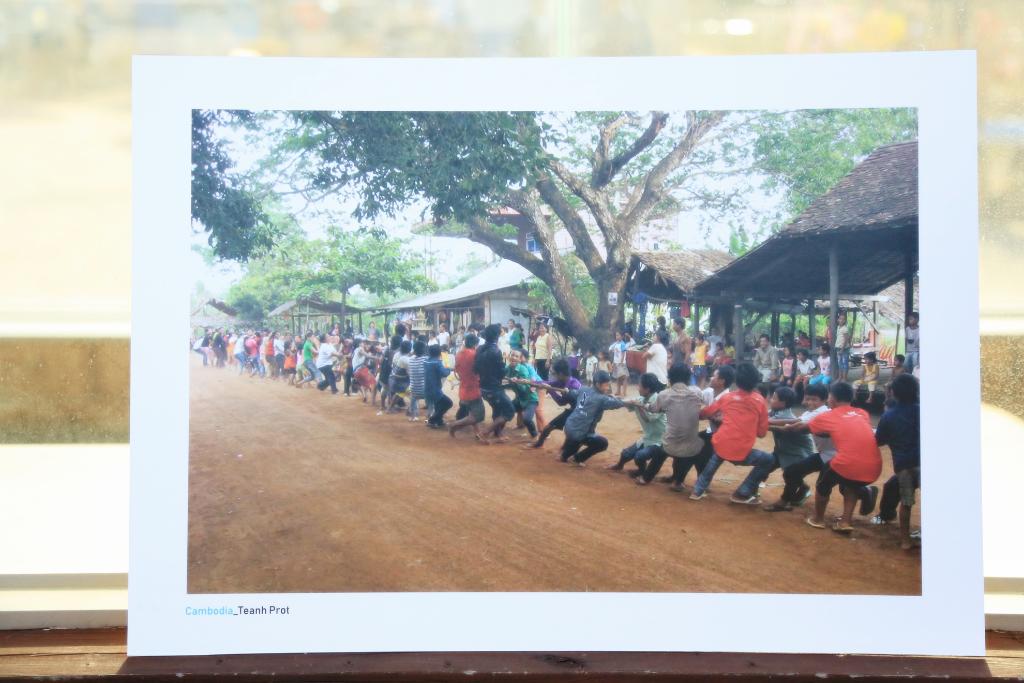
(830,438)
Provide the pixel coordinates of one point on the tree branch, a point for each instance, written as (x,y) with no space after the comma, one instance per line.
(482,232)
(599,159)
(604,173)
(585,247)
(596,201)
(647,194)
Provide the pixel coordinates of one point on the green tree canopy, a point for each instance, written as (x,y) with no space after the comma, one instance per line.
(600,176)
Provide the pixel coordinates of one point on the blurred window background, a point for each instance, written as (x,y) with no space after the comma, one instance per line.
(65,203)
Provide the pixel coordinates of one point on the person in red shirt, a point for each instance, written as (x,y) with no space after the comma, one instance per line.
(268,354)
(744,415)
(857,462)
(471,403)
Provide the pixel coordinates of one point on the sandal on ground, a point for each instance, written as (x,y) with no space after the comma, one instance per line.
(778,507)
(840,529)
(817,525)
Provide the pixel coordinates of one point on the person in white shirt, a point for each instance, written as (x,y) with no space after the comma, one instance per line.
(279,356)
(816,402)
(443,336)
(325,363)
(657,357)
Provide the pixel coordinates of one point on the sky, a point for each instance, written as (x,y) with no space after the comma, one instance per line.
(689,228)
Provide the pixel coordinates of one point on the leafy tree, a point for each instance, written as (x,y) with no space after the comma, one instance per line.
(600,176)
(465,164)
(806,152)
(223,204)
(325,269)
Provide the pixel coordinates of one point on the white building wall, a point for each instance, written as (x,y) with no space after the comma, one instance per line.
(501,305)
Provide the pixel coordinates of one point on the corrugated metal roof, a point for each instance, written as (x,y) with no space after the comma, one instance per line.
(499,276)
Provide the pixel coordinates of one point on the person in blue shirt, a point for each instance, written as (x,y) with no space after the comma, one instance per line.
(900,430)
(434,372)
(581,427)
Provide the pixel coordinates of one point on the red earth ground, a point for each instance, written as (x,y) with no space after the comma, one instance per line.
(301,491)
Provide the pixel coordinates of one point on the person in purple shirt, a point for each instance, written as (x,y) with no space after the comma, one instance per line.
(562,389)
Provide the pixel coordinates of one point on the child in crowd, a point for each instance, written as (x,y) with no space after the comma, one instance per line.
(574,362)
(815,403)
(805,369)
(417,387)
(604,364)
(434,373)
(791,448)
(471,404)
(387,359)
(720,356)
(289,361)
(620,373)
(653,426)
(399,381)
(823,373)
(898,366)
(563,389)
(590,366)
(857,462)
(744,420)
(787,373)
(870,378)
(681,406)
(581,427)
(525,402)
(700,357)
(900,429)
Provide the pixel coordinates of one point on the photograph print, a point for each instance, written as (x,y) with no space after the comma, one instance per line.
(554,351)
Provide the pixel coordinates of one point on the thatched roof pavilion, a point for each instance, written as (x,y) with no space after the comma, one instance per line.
(673,275)
(861,237)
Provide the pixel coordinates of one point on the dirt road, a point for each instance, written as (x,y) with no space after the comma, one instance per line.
(300,491)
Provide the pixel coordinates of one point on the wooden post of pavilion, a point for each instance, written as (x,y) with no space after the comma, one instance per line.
(775,329)
(738,337)
(908,287)
(811,332)
(696,319)
(833,295)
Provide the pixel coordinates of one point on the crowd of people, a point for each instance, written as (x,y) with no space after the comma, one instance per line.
(686,382)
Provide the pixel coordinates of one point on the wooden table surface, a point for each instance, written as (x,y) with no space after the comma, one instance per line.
(100,653)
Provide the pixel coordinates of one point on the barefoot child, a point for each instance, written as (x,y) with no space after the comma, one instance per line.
(900,429)
(744,420)
(580,428)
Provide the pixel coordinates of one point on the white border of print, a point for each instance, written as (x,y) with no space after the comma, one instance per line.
(946,619)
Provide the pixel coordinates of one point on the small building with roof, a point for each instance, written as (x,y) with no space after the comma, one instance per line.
(496,294)
(307,313)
